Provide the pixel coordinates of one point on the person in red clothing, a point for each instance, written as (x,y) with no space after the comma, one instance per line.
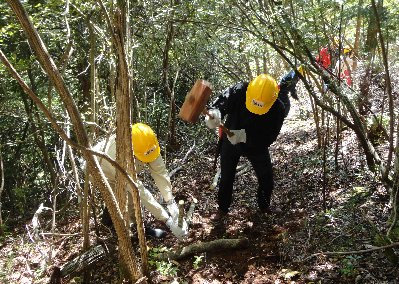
(324,58)
(345,65)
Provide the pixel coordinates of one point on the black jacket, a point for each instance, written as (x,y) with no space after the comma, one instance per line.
(261,130)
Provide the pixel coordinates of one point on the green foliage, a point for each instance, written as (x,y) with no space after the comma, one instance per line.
(382,240)
(164,267)
(357,196)
(348,266)
(7,268)
(376,126)
(394,233)
(197,261)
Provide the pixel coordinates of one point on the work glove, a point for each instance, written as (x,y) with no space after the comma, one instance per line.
(239,136)
(180,233)
(216,119)
(173,210)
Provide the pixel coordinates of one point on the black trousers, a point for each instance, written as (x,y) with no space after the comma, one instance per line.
(260,160)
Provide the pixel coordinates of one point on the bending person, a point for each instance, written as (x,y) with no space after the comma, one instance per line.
(147,153)
(255,116)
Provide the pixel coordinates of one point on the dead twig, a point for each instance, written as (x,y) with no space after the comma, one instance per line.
(353,251)
(182,161)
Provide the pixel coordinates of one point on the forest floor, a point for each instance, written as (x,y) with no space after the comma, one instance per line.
(339,209)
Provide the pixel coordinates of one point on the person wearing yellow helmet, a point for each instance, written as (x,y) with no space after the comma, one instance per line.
(255,116)
(344,66)
(147,154)
(288,85)
(145,143)
(347,50)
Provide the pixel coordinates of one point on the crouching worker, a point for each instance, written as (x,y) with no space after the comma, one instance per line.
(147,154)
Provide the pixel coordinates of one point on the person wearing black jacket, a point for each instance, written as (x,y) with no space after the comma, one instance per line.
(288,85)
(255,115)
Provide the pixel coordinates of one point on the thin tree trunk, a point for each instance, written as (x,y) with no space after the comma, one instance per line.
(85,213)
(357,34)
(124,149)
(388,86)
(1,190)
(326,134)
(85,217)
(93,80)
(395,188)
(170,32)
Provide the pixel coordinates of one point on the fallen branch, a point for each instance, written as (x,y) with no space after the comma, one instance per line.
(243,170)
(81,263)
(36,222)
(182,161)
(60,234)
(215,179)
(212,246)
(353,251)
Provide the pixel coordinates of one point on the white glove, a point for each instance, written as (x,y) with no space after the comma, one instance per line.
(173,210)
(180,233)
(239,136)
(214,122)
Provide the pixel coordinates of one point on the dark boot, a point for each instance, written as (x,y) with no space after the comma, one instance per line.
(155,232)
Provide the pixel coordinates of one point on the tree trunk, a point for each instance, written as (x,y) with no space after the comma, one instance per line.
(124,149)
(369,47)
(357,34)
(388,87)
(1,190)
(170,31)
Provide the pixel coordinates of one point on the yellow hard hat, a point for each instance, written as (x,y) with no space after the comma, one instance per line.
(347,49)
(145,143)
(301,69)
(261,94)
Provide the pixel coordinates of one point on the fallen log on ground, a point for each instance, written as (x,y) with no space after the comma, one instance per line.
(212,246)
(81,263)
(95,254)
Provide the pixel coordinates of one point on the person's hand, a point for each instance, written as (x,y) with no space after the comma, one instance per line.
(214,118)
(239,136)
(179,232)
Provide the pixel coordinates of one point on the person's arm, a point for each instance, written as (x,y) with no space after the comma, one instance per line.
(294,81)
